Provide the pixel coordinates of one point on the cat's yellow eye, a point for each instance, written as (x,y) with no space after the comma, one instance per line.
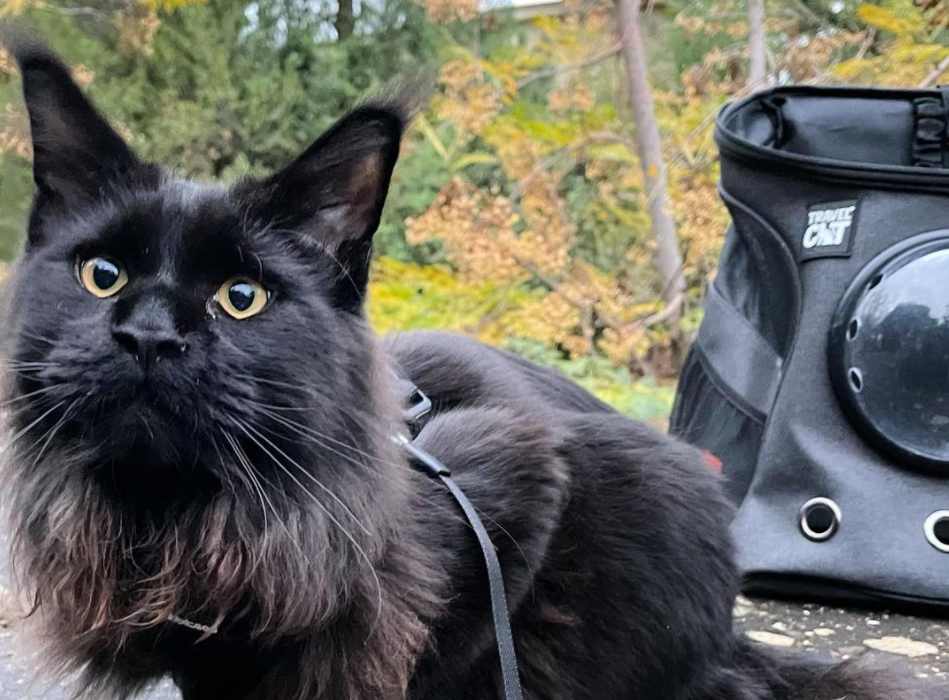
(241,297)
(102,277)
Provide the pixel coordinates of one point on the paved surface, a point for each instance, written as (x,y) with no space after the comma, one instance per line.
(830,631)
(842,634)
(19,660)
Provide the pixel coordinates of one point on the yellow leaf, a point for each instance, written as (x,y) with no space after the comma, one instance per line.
(474,159)
(905,20)
(166,5)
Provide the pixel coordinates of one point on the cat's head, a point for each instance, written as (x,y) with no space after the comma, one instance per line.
(158,325)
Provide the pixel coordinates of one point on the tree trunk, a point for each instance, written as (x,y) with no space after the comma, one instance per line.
(345,20)
(757,70)
(668,259)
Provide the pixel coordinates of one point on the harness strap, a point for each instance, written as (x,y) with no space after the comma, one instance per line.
(429,465)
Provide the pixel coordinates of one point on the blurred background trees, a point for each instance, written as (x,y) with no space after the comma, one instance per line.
(557,198)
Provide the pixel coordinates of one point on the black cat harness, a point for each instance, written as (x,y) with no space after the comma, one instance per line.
(417,409)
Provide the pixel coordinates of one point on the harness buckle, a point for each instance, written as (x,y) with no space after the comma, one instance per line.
(417,408)
(416,405)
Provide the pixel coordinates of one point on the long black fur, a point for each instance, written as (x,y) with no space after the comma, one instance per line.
(247,480)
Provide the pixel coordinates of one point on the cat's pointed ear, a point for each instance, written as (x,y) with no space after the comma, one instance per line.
(76,154)
(331,197)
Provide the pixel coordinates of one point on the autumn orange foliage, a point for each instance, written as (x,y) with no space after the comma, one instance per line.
(521,230)
(540,224)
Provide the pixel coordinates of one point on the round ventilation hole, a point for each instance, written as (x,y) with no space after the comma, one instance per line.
(853,329)
(819,519)
(856,379)
(936,528)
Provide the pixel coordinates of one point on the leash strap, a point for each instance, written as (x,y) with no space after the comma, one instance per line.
(430,466)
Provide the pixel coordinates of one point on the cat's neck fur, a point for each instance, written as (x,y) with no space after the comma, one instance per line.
(109,576)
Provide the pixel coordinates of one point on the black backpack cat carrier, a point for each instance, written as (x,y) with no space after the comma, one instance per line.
(820,375)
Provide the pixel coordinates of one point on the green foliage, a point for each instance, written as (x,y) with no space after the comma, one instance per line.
(406,296)
(219,92)
(642,399)
(517,213)
(606,227)
(417,180)
(16,193)
(913,39)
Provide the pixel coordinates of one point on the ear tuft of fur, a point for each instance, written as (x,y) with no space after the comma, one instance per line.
(27,48)
(404,98)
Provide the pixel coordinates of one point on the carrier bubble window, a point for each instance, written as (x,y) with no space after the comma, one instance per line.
(889,352)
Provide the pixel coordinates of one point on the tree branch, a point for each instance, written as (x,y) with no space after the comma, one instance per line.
(77,11)
(671,310)
(613,137)
(546,164)
(567,67)
(757,36)
(941,68)
(558,155)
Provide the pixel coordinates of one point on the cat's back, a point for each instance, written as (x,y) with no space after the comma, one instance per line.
(607,511)
(457,371)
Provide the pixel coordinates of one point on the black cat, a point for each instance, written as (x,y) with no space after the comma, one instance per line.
(202,481)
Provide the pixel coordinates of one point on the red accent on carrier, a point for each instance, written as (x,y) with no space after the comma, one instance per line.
(712,461)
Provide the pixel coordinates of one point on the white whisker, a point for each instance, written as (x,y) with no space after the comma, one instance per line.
(25,430)
(348,535)
(319,439)
(23,397)
(249,470)
(312,478)
(51,433)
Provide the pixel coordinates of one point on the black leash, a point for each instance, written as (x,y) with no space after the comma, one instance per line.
(419,406)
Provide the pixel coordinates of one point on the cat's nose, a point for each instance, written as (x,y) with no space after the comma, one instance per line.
(145,326)
(149,345)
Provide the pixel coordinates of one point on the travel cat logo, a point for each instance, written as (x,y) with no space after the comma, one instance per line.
(829,230)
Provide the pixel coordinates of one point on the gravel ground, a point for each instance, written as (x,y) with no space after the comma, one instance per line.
(842,634)
(828,631)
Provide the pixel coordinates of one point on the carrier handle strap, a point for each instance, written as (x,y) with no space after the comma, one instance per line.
(931,115)
(944,91)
